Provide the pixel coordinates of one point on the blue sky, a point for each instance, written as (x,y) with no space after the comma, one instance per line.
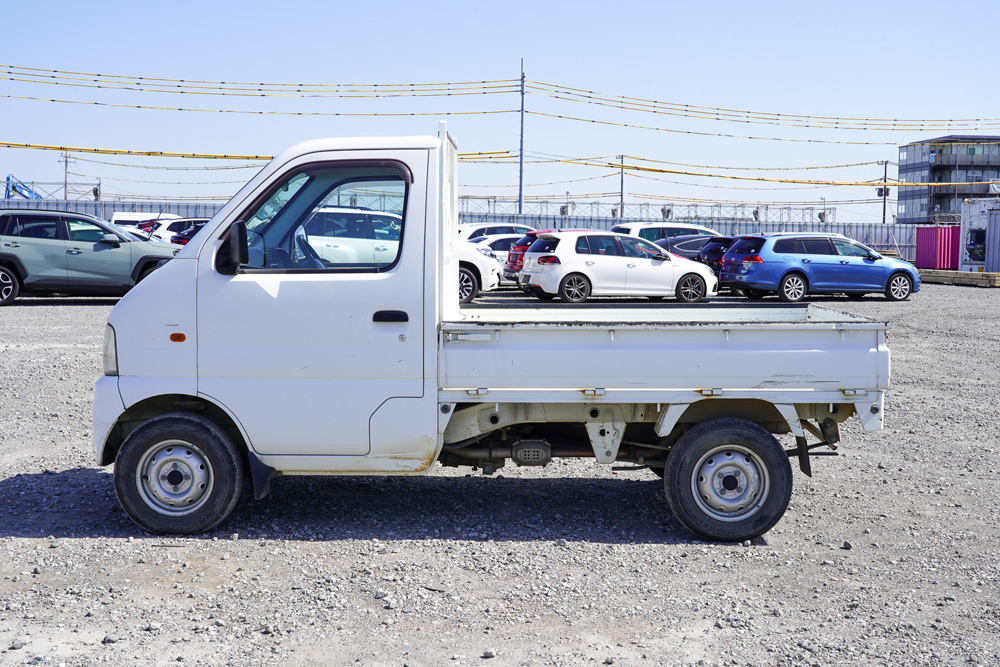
(912,60)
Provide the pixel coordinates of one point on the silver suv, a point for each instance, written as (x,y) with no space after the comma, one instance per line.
(55,252)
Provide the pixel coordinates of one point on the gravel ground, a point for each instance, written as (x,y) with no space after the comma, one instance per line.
(889,555)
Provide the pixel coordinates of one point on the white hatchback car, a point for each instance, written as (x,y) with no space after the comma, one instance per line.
(164,229)
(478,271)
(500,244)
(654,231)
(471,231)
(579,264)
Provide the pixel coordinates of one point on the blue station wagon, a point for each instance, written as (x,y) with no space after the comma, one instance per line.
(794,265)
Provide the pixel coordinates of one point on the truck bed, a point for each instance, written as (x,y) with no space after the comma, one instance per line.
(643,354)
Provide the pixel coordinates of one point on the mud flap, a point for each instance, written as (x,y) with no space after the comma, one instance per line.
(260,476)
(803,450)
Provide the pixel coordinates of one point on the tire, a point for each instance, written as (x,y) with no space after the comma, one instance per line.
(468,285)
(178,473)
(574,288)
(728,479)
(10,286)
(145,273)
(793,287)
(753,294)
(899,287)
(690,288)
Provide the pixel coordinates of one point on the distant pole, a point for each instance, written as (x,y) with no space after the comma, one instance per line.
(885,176)
(66,176)
(520,152)
(621,199)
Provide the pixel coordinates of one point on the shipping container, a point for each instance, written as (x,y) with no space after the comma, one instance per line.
(976,214)
(938,247)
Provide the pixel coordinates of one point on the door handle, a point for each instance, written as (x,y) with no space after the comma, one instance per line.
(631,266)
(75,251)
(589,263)
(390,316)
(807,261)
(12,245)
(844,261)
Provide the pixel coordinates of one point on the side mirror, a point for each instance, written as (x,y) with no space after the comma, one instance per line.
(662,258)
(111,239)
(874,255)
(239,252)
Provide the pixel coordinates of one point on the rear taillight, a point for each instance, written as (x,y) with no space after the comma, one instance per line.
(549,259)
(181,241)
(753,259)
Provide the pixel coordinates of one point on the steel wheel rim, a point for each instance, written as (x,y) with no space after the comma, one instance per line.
(576,288)
(900,287)
(691,288)
(794,288)
(464,286)
(174,478)
(6,285)
(730,483)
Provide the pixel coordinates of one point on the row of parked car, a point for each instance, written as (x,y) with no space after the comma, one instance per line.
(688,262)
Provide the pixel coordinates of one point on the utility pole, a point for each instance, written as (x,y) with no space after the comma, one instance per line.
(621,199)
(520,152)
(885,189)
(66,176)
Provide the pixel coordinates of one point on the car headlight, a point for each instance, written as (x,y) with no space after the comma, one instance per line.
(110,351)
(488,252)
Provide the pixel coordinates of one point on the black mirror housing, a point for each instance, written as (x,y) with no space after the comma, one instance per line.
(239,252)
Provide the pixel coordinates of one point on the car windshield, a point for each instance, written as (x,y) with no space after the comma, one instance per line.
(526,240)
(544,245)
(718,244)
(747,246)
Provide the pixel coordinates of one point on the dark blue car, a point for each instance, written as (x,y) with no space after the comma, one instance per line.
(794,265)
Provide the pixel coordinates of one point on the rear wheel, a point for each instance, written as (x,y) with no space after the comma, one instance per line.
(792,288)
(728,479)
(10,286)
(899,287)
(178,473)
(574,288)
(690,288)
(468,286)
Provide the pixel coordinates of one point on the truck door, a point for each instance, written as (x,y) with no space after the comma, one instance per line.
(304,349)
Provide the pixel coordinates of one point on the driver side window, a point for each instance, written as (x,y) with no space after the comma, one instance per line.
(331,217)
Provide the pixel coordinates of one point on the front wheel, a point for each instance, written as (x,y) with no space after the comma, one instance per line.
(574,288)
(468,286)
(792,288)
(899,287)
(690,288)
(728,479)
(10,286)
(178,473)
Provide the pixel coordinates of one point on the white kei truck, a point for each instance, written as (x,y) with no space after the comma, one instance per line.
(249,355)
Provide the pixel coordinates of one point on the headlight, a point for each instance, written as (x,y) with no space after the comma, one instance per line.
(486,250)
(110,351)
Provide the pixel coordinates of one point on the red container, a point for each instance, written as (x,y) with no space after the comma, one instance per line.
(937,247)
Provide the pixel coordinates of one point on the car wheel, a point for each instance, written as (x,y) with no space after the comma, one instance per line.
(899,287)
(792,288)
(728,479)
(10,286)
(178,473)
(145,273)
(468,286)
(690,288)
(574,288)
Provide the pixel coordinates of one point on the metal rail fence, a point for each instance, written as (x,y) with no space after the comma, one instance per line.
(889,237)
